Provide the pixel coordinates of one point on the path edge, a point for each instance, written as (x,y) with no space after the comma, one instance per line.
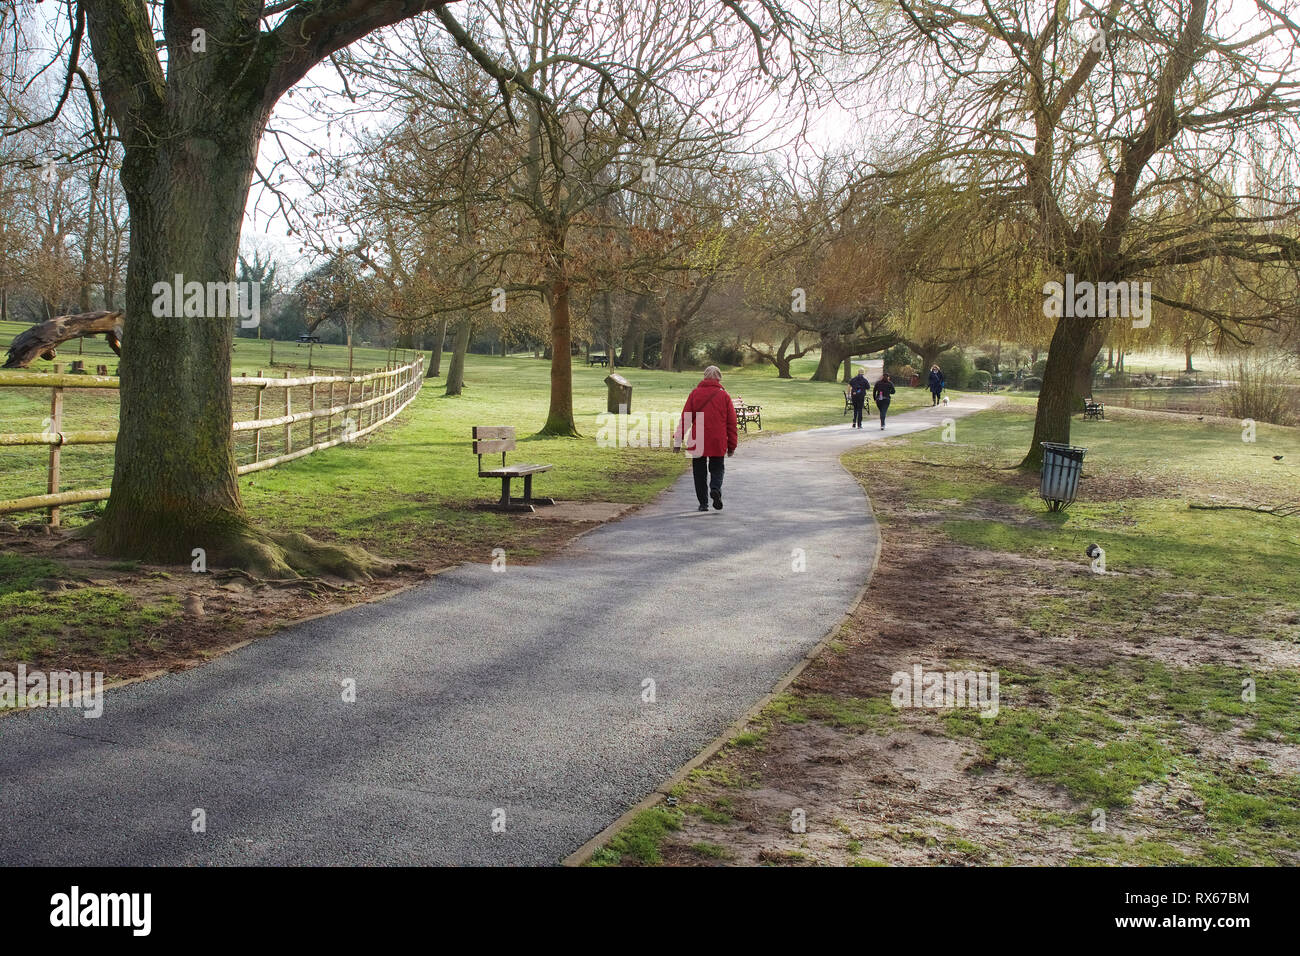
(584,853)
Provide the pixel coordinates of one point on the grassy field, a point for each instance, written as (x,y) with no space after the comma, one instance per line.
(1148,714)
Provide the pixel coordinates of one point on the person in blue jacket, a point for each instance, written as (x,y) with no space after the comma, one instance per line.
(936,384)
(883,391)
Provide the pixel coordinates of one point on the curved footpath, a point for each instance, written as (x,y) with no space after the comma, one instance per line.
(511,698)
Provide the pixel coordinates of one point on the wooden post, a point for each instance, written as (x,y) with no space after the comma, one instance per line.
(348,406)
(288,410)
(311,422)
(272,353)
(56,426)
(257,432)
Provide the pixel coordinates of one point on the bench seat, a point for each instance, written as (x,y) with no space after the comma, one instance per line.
(514,471)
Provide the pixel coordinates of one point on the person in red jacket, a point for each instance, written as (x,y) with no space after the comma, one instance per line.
(708,426)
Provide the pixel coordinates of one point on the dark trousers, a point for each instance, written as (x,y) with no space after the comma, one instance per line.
(884,407)
(708,475)
(857,412)
(934,395)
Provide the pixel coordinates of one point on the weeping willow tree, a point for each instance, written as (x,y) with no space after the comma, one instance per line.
(1087,133)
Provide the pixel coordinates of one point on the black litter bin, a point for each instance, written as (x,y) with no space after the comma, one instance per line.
(620,394)
(1060,479)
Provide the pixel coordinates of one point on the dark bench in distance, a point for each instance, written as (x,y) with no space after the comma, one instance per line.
(1093,410)
(490,439)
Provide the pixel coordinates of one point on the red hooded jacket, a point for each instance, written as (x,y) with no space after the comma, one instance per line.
(710,413)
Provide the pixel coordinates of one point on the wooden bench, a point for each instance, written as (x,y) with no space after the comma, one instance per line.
(490,439)
(598,360)
(746,414)
(1093,410)
(848,400)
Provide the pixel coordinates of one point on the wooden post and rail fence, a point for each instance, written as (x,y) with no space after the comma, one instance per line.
(382,396)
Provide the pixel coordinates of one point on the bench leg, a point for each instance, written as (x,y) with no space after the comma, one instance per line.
(505,492)
(528,494)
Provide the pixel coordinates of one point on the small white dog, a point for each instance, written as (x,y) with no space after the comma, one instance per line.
(945,399)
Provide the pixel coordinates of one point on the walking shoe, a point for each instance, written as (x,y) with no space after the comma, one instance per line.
(717,500)
(702,508)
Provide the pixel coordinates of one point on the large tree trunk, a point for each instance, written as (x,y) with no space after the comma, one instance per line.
(634,335)
(439,337)
(836,350)
(559,420)
(828,365)
(174,481)
(1072,342)
(668,346)
(459,347)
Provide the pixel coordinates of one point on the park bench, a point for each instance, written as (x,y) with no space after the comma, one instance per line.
(490,439)
(598,360)
(1093,410)
(746,414)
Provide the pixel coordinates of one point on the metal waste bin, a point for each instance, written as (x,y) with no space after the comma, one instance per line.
(620,394)
(1060,480)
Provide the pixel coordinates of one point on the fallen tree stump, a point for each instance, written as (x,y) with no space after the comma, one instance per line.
(43,339)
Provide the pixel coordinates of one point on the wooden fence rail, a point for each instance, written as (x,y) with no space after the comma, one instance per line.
(390,391)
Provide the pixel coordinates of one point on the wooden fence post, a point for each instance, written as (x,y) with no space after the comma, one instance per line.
(56,426)
(288,410)
(257,432)
(311,422)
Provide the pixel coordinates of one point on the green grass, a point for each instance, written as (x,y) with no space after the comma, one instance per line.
(20,572)
(641,839)
(97,622)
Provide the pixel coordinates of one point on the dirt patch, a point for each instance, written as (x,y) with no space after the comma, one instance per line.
(594,512)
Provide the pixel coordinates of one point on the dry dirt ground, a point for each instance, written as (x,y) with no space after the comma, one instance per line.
(208,613)
(881,785)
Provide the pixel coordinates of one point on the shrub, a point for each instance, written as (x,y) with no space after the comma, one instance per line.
(957,368)
(724,353)
(1039,368)
(980,378)
(897,358)
(1261,392)
(984,363)
(1031,383)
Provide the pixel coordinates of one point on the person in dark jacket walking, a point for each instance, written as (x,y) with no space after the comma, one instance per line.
(708,428)
(858,388)
(936,384)
(884,390)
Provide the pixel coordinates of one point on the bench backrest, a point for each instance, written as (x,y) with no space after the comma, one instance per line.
(490,439)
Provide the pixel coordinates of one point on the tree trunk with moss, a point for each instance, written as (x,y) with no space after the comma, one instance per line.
(190,137)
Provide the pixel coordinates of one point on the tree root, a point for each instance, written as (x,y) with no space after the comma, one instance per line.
(281,556)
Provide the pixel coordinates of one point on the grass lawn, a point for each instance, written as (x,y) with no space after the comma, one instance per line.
(1148,715)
